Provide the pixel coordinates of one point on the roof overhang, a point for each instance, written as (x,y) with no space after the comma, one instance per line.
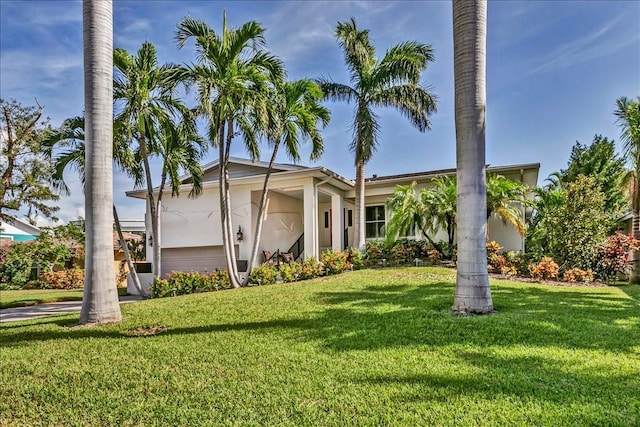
(276,177)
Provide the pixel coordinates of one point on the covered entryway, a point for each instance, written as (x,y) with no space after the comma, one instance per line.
(203,259)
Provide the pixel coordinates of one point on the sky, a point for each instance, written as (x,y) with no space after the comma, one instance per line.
(554,72)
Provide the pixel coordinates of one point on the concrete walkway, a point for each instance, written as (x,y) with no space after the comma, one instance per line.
(16,314)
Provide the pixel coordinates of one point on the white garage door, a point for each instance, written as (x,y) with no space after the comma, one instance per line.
(204,259)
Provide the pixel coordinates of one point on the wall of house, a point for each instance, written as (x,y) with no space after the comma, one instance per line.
(197,222)
(15,232)
(282,223)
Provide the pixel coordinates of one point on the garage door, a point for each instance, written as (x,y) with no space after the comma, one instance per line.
(204,259)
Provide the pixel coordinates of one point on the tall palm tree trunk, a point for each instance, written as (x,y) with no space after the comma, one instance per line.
(472,294)
(100,300)
(127,255)
(259,222)
(227,242)
(360,236)
(154,206)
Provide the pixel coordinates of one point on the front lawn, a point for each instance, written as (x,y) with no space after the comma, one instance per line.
(27,297)
(363,348)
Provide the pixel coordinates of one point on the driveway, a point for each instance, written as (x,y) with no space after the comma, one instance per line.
(17,314)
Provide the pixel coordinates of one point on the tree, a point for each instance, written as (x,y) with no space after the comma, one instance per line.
(504,199)
(295,114)
(569,223)
(628,118)
(100,300)
(233,76)
(148,114)
(24,169)
(600,161)
(473,294)
(393,81)
(435,207)
(71,136)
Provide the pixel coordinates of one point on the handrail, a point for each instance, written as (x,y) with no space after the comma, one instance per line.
(298,247)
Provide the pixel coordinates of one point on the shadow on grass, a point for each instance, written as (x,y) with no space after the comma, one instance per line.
(402,315)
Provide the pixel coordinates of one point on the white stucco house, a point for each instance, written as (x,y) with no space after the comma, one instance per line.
(17,230)
(309,210)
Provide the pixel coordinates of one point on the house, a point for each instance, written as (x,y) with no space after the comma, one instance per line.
(309,210)
(17,230)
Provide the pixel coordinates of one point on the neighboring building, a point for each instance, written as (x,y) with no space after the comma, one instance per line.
(17,230)
(309,210)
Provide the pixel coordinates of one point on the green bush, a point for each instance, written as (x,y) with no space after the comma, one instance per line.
(182,283)
(263,275)
(311,269)
(356,258)
(290,272)
(335,262)
(374,252)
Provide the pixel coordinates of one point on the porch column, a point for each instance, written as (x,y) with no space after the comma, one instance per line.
(310,218)
(337,223)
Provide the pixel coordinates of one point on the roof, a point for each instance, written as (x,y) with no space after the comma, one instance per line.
(23,224)
(445,172)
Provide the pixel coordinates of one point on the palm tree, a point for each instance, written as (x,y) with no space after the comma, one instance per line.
(409,212)
(100,300)
(71,136)
(233,76)
(473,294)
(143,94)
(295,114)
(504,199)
(628,118)
(442,201)
(393,81)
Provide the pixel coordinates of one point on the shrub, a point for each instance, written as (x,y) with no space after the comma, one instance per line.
(374,252)
(356,258)
(335,262)
(70,278)
(577,275)
(434,255)
(182,283)
(448,251)
(264,275)
(311,269)
(519,261)
(493,248)
(546,269)
(612,258)
(290,272)
(508,270)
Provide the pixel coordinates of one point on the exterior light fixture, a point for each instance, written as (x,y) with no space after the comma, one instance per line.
(239,234)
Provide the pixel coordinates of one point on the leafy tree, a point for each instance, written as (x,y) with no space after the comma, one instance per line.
(570,223)
(600,161)
(295,114)
(233,75)
(393,81)
(628,118)
(24,168)
(159,123)
(469,45)
(100,300)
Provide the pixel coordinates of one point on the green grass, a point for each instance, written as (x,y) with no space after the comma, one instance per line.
(28,297)
(363,348)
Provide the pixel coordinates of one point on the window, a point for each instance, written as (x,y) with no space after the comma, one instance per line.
(350,218)
(374,222)
(326,219)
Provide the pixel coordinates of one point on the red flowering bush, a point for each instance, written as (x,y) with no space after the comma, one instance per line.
(578,275)
(612,258)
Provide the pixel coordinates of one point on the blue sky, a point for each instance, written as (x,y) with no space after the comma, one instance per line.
(554,70)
